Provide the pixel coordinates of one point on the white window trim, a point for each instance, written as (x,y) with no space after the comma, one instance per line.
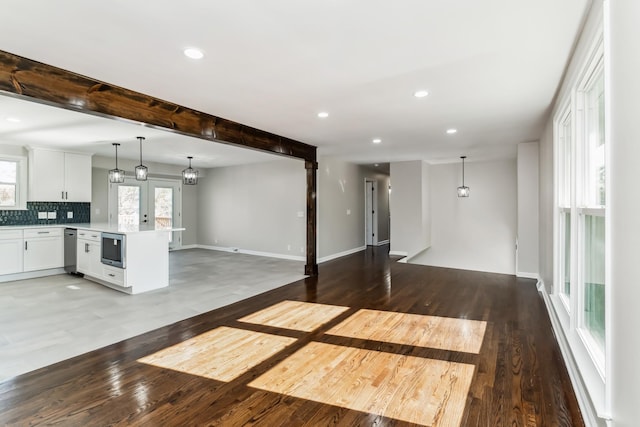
(21,182)
(593,367)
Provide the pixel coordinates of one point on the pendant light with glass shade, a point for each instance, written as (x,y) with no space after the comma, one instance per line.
(189,175)
(463,191)
(141,170)
(116,176)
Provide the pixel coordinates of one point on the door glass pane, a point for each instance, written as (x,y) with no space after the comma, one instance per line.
(593,274)
(566,254)
(128,205)
(163,207)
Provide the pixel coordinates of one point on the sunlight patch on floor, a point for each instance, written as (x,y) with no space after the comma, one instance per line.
(295,315)
(414,329)
(413,389)
(221,354)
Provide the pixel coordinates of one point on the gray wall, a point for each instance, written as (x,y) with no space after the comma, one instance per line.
(528,209)
(254,207)
(474,233)
(409,203)
(340,207)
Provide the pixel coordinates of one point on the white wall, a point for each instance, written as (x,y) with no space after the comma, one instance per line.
(409,206)
(527,167)
(623,211)
(254,207)
(474,233)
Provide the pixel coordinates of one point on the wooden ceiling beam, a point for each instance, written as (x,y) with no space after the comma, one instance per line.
(61,88)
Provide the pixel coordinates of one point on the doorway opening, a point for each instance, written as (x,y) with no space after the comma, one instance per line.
(371,212)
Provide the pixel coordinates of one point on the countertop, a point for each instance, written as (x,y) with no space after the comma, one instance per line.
(100,226)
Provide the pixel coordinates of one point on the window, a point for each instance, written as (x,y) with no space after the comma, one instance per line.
(579,138)
(12,183)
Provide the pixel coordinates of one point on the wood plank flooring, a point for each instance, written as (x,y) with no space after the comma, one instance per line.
(367,342)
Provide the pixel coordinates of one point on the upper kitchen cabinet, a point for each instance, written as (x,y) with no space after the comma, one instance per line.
(56,176)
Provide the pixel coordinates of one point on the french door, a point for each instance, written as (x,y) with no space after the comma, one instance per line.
(156,202)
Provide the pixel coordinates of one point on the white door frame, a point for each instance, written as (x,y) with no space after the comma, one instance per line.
(176,241)
(370,212)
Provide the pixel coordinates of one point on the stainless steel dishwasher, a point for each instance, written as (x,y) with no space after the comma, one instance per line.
(70,250)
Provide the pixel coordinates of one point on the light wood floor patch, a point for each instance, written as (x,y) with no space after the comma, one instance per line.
(407,388)
(295,315)
(443,333)
(221,354)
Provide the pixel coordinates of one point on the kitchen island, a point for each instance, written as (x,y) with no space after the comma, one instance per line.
(144,257)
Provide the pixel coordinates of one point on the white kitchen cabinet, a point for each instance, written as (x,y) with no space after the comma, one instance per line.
(11,253)
(56,176)
(88,254)
(43,249)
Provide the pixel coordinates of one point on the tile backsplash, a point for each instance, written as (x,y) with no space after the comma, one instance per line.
(81,213)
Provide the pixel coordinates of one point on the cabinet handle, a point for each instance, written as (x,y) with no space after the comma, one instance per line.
(44,232)
(94,235)
(112,275)
(25,245)
(66,195)
(62,195)
(86,247)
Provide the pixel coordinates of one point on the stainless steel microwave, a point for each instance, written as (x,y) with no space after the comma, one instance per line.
(113,249)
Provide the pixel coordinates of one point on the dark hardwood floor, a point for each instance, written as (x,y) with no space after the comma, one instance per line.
(178,375)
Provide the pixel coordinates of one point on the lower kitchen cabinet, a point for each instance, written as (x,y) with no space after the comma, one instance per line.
(43,249)
(11,253)
(88,254)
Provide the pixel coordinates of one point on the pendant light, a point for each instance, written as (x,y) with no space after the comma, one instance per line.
(189,175)
(116,176)
(463,191)
(141,170)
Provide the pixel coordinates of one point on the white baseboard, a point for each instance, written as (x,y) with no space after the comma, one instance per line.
(341,254)
(589,413)
(383,242)
(526,275)
(399,253)
(250,252)
(31,274)
(186,247)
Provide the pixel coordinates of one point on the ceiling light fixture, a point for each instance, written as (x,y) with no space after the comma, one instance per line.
(420,93)
(452,131)
(141,170)
(13,119)
(377,141)
(116,176)
(463,191)
(323,114)
(193,53)
(189,175)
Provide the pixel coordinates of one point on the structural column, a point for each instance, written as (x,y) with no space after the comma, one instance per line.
(311,268)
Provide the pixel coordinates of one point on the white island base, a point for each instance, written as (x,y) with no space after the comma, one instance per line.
(146,261)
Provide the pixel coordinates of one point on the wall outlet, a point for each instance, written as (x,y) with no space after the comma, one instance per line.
(70,215)
(300,214)
(51,215)
(42,215)
(288,247)
(348,211)
(97,211)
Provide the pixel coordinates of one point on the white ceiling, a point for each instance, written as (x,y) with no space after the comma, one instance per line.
(491,68)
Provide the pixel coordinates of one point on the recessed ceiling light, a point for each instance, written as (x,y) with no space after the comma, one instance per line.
(193,53)
(323,114)
(452,131)
(13,119)
(421,94)
(376,165)
(376,141)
